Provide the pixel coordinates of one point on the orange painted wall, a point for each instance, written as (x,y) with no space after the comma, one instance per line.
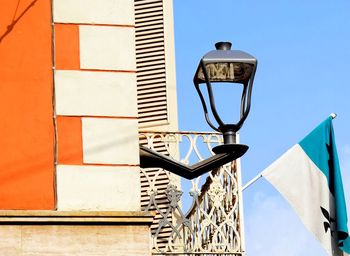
(70,146)
(26,115)
(67,46)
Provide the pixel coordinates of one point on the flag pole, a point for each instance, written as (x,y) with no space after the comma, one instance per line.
(252,181)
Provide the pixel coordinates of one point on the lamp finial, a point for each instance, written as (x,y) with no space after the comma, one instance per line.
(224,46)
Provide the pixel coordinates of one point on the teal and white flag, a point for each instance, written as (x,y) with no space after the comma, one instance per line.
(308,176)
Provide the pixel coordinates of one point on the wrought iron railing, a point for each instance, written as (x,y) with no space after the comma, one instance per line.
(213,225)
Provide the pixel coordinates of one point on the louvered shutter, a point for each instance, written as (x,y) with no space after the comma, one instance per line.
(157,108)
(150,63)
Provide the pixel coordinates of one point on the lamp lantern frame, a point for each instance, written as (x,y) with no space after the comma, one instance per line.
(223,58)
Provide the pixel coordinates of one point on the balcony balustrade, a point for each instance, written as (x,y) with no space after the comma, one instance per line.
(213,224)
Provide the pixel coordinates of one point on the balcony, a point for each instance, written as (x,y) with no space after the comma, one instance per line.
(213,223)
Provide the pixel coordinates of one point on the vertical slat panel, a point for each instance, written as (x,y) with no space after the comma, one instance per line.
(152,92)
(150,63)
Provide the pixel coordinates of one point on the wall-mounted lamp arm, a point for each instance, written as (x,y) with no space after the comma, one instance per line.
(150,158)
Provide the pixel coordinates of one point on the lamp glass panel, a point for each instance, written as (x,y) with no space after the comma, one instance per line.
(227,99)
(226,72)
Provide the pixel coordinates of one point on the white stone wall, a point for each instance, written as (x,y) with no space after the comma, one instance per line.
(91,93)
(102,93)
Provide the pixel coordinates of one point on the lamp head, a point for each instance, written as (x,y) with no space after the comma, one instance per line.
(224,65)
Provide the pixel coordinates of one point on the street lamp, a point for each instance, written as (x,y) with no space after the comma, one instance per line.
(222,65)
(233,67)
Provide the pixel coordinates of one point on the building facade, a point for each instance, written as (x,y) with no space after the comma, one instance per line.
(83,83)
(78,81)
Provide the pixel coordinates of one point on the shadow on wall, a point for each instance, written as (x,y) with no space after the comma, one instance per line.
(14,20)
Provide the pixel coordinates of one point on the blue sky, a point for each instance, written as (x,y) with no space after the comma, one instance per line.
(303,49)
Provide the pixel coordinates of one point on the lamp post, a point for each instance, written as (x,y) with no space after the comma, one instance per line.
(222,65)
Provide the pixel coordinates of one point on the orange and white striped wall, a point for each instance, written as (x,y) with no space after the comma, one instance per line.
(69,132)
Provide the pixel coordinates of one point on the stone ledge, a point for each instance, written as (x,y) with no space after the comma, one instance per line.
(42,217)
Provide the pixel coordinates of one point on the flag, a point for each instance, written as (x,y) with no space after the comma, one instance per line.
(308,177)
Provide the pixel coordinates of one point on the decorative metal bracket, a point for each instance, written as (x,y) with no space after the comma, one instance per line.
(150,158)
